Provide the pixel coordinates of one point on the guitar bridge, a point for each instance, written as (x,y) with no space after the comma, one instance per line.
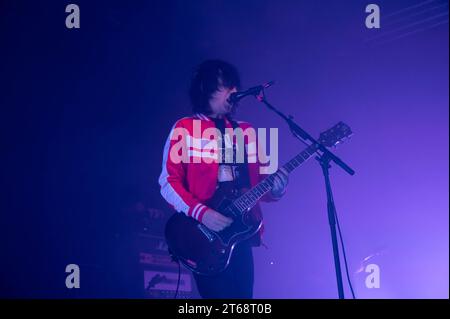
(206,232)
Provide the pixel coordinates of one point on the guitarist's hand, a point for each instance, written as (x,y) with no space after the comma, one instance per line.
(215,221)
(280,183)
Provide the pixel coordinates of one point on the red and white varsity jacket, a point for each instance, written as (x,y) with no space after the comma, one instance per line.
(190,165)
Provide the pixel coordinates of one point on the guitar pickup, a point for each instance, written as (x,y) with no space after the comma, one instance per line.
(206,232)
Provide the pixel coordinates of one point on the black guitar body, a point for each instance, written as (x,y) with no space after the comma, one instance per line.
(202,250)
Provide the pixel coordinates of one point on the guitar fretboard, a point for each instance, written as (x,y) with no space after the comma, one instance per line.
(251,197)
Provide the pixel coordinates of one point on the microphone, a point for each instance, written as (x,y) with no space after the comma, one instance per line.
(237,96)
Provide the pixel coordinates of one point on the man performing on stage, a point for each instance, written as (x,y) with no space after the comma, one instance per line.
(189,183)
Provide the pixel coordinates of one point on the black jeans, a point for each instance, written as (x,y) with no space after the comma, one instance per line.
(235,282)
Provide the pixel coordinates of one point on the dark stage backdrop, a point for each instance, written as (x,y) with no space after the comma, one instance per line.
(85,114)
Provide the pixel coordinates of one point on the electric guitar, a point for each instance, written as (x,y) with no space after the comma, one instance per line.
(207,252)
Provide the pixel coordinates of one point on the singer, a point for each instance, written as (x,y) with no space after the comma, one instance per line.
(186,187)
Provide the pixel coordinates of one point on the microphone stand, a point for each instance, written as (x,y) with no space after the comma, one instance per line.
(324,160)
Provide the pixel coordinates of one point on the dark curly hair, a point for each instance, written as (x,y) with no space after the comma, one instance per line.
(206,80)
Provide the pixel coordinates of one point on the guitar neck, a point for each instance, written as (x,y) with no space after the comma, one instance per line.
(252,196)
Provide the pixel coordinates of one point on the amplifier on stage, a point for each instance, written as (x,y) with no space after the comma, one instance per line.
(160,272)
(163,284)
(157,272)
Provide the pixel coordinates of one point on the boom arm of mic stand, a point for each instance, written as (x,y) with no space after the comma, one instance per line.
(299,132)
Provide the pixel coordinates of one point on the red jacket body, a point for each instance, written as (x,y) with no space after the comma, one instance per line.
(190,165)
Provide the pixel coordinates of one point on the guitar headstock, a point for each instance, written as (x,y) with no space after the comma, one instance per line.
(335,135)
